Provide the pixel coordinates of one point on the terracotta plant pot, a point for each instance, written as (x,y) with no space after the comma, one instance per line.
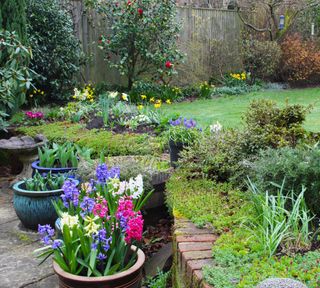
(130,278)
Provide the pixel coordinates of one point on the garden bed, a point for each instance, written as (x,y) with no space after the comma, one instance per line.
(237,256)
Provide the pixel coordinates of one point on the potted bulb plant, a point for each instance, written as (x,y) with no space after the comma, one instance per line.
(59,158)
(181,133)
(33,198)
(101,226)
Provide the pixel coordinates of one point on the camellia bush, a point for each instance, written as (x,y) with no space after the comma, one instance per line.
(142,38)
(56,50)
(15,76)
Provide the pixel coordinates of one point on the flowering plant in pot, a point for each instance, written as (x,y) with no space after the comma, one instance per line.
(100,223)
(33,198)
(60,158)
(181,133)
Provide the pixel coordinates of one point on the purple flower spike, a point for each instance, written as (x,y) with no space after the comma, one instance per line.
(87,206)
(103,173)
(46,233)
(71,193)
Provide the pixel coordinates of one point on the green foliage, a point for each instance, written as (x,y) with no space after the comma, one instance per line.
(14,72)
(3,121)
(44,183)
(62,156)
(160,281)
(182,133)
(13,17)
(204,201)
(142,36)
(99,141)
(261,58)
(235,90)
(156,91)
(267,125)
(298,166)
(283,221)
(56,51)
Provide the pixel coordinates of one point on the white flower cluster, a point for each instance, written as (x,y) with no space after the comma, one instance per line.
(133,187)
(142,119)
(69,220)
(215,128)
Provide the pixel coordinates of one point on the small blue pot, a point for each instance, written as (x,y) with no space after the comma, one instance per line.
(44,170)
(35,207)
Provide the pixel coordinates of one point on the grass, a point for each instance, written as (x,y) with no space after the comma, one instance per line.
(228,110)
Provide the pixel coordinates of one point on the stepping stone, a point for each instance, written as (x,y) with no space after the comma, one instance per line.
(281,283)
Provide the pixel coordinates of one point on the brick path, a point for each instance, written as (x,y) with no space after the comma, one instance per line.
(192,251)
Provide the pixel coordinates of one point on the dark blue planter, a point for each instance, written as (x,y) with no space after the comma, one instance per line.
(175,149)
(44,170)
(35,207)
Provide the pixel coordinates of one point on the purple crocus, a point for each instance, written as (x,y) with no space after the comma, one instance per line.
(103,173)
(70,193)
(176,122)
(189,123)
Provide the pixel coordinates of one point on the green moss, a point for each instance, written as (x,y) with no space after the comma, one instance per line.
(203,201)
(99,141)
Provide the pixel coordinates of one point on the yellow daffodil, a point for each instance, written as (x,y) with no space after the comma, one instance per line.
(157,105)
(124,96)
(140,106)
(168,101)
(42,92)
(143,97)
(152,99)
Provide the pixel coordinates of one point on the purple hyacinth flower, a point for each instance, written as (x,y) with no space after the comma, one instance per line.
(46,233)
(56,244)
(70,193)
(101,257)
(103,173)
(87,206)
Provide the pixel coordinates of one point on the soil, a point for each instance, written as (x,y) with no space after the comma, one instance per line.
(156,236)
(97,123)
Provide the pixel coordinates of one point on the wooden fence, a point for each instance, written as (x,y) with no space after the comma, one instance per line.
(209,38)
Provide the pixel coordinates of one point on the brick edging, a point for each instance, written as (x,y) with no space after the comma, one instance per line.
(192,250)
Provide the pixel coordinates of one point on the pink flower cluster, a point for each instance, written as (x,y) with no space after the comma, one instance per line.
(34,115)
(130,221)
(101,209)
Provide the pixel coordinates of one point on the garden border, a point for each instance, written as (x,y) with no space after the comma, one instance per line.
(192,248)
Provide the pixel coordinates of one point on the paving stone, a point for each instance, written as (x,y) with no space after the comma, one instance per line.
(49,282)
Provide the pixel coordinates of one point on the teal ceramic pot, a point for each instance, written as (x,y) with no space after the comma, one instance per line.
(44,170)
(35,207)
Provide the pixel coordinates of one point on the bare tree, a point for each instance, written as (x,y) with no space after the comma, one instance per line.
(271,10)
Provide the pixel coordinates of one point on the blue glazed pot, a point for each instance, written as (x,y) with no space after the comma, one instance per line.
(44,170)
(35,207)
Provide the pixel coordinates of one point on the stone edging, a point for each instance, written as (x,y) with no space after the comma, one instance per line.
(192,249)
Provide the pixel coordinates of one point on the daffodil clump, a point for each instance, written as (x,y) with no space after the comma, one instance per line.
(156,103)
(239,76)
(86,94)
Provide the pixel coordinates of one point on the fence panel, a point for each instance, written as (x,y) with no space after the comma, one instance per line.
(207,35)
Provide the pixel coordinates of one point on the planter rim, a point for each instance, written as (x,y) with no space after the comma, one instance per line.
(139,263)
(35,165)
(20,191)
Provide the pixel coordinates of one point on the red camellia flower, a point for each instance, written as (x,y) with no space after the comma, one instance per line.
(140,11)
(168,64)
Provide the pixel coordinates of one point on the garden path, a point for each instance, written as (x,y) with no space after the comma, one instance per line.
(18,265)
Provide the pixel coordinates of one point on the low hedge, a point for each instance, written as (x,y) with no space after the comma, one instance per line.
(98,140)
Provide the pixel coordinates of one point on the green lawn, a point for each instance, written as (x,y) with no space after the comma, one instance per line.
(229,109)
